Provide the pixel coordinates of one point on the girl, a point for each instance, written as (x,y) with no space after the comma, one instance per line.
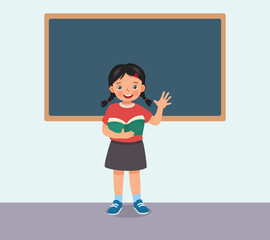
(126,150)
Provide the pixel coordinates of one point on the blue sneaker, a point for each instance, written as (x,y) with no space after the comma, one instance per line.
(140,207)
(115,208)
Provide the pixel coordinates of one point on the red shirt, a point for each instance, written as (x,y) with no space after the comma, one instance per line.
(125,113)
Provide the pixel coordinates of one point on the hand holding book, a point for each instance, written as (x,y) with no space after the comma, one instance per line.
(124,134)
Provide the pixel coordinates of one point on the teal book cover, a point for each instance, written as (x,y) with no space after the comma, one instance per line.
(135,124)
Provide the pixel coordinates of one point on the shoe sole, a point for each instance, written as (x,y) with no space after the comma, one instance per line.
(139,212)
(115,213)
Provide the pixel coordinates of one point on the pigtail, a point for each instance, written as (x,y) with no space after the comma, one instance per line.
(147,101)
(105,102)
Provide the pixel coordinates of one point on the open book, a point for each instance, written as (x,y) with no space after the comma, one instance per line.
(135,124)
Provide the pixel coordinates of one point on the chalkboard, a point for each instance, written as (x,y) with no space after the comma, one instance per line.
(180,53)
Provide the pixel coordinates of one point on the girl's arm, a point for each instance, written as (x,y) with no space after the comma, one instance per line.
(109,133)
(161,104)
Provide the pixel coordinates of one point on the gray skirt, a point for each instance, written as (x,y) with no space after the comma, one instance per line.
(127,156)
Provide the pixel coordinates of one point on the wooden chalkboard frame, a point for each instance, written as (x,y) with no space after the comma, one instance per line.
(220,16)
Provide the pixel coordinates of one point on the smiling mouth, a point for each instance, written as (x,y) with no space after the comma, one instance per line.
(128,96)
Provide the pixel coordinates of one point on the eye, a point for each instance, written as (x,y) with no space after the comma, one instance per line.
(119,87)
(135,87)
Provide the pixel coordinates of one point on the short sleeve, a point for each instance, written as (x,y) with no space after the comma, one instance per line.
(107,115)
(147,114)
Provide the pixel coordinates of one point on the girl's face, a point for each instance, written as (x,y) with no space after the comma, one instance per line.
(128,88)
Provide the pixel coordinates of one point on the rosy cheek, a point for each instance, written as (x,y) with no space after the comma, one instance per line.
(135,92)
(119,93)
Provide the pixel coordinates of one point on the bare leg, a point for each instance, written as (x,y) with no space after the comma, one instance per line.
(135,182)
(118,178)
(116,207)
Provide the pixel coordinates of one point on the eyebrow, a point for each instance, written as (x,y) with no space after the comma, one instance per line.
(119,83)
(135,82)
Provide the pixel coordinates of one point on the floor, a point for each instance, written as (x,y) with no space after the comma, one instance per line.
(188,221)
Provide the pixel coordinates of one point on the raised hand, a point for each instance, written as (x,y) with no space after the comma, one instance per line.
(163,101)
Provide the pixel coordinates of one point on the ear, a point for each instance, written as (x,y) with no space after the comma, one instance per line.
(143,88)
(111,89)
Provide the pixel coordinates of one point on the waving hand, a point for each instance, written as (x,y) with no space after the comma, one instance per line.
(163,101)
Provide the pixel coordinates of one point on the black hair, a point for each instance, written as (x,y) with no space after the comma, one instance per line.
(118,72)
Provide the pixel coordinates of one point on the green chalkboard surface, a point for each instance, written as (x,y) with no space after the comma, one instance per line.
(181,55)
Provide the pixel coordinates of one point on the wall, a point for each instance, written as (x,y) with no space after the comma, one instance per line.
(187,161)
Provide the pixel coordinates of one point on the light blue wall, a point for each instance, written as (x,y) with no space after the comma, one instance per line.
(187,161)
